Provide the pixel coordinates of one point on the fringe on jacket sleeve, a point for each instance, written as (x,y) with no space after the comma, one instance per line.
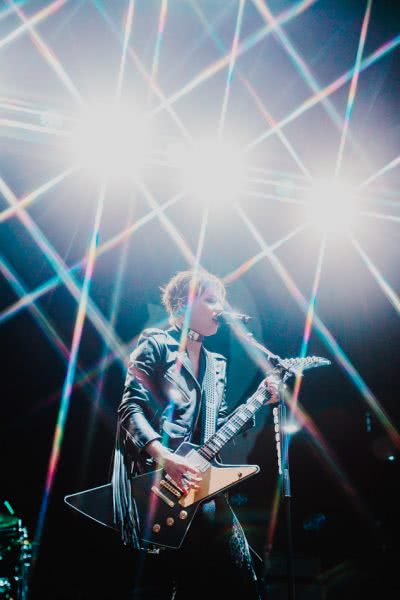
(125,511)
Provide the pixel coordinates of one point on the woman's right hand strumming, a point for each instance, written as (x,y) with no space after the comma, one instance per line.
(183,474)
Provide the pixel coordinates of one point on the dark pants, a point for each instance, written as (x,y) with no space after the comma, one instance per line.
(214,560)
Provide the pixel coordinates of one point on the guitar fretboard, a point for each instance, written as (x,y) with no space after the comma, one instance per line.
(234,424)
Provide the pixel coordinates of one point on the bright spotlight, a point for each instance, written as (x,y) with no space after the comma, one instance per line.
(211,171)
(330,206)
(112,141)
(291,427)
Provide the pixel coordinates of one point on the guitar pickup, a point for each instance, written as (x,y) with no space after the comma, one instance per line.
(162,496)
(170,488)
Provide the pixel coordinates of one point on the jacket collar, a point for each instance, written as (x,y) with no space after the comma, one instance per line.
(174,335)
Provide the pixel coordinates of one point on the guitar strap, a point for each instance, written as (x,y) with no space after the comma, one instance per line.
(209,400)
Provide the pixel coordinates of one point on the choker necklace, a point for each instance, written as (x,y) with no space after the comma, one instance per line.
(194,336)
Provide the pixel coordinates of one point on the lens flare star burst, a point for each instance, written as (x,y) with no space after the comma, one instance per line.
(239,139)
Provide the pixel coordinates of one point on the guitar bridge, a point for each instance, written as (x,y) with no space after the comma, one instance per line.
(170,488)
(162,496)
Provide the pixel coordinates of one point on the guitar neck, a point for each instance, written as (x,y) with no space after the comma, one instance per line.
(233,425)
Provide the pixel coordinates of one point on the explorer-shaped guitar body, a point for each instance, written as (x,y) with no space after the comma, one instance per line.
(164,512)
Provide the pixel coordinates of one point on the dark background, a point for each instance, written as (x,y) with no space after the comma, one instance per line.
(345,489)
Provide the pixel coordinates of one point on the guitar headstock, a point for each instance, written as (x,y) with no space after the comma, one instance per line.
(296,366)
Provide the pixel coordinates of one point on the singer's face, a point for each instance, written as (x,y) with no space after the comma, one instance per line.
(205,309)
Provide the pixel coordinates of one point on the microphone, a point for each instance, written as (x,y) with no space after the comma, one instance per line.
(227,315)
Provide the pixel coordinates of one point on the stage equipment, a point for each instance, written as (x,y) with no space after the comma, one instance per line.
(227,315)
(285,367)
(15,558)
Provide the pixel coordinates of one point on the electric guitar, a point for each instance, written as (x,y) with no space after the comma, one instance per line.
(164,511)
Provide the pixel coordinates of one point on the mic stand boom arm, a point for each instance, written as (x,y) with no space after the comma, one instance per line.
(285,366)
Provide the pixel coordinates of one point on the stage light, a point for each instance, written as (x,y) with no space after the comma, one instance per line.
(213,172)
(291,427)
(384,448)
(330,206)
(111,141)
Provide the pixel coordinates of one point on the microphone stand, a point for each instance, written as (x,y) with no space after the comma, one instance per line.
(285,367)
(286,491)
(280,418)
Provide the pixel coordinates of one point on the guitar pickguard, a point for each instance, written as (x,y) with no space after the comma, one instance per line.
(216,479)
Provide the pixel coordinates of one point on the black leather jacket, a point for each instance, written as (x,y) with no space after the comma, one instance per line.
(161,401)
(161,395)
